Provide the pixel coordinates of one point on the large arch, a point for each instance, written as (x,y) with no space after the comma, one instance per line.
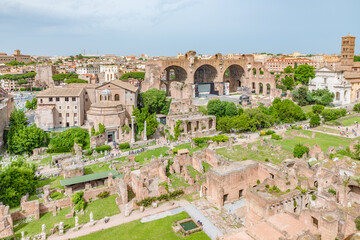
(233,75)
(172,73)
(205,74)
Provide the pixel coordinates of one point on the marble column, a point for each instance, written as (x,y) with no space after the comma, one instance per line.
(145,137)
(132,130)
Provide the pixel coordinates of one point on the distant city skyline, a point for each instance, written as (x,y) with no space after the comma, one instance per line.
(169,27)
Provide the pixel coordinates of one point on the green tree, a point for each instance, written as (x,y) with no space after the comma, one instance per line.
(155,100)
(64,141)
(300,150)
(317,109)
(151,122)
(300,95)
(289,69)
(231,109)
(75,80)
(136,75)
(315,120)
(15,181)
(288,82)
(287,111)
(215,107)
(93,131)
(357,107)
(303,73)
(26,139)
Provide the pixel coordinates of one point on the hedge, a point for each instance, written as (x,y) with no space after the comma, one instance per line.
(124,145)
(102,148)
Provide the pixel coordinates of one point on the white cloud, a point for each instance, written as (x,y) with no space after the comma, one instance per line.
(113,14)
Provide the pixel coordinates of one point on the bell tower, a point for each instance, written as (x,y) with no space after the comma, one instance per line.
(347,52)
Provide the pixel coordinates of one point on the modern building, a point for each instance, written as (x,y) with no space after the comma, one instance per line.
(279,64)
(17,56)
(334,81)
(89,69)
(111,72)
(60,107)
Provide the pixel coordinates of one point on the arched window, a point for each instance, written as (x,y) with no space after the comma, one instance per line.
(337,95)
(117,97)
(100,97)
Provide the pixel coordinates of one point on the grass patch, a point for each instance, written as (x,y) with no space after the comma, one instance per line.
(95,168)
(192,150)
(321,139)
(264,152)
(193,172)
(158,229)
(206,166)
(97,207)
(54,182)
(178,181)
(349,120)
(148,154)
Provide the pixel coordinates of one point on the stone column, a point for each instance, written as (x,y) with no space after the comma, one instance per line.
(145,137)
(132,130)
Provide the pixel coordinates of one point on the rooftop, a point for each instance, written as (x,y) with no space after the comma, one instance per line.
(89,177)
(61,92)
(233,167)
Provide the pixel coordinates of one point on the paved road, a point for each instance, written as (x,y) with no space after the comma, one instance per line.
(209,228)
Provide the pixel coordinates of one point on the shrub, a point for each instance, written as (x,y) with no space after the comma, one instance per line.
(176,193)
(315,120)
(313,197)
(78,201)
(269,132)
(175,151)
(357,107)
(333,114)
(102,148)
(124,145)
(317,109)
(357,223)
(300,150)
(332,191)
(258,181)
(103,194)
(275,137)
(163,197)
(64,141)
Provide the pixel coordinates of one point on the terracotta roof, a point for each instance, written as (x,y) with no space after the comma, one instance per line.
(61,92)
(123,84)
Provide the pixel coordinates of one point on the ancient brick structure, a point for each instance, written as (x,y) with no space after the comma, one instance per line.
(221,74)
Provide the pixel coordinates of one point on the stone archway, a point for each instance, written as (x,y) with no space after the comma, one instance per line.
(172,73)
(268,89)
(233,75)
(261,88)
(205,74)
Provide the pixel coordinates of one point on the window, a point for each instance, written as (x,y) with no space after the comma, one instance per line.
(41,101)
(60,122)
(50,99)
(67,114)
(240,193)
(66,99)
(68,124)
(74,99)
(117,98)
(75,107)
(58,99)
(325,80)
(59,107)
(60,115)
(67,107)
(225,198)
(75,114)
(75,122)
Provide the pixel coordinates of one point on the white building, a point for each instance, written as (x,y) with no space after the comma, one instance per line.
(110,72)
(326,78)
(90,69)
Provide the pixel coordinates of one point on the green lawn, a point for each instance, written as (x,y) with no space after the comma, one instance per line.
(147,154)
(97,207)
(95,168)
(178,181)
(193,172)
(54,182)
(349,120)
(322,139)
(158,229)
(264,152)
(192,150)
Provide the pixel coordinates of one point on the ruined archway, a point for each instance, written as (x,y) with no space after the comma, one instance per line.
(172,73)
(233,75)
(268,89)
(205,74)
(261,88)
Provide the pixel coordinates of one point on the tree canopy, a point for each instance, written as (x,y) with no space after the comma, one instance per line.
(75,80)
(15,181)
(136,75)
(155,101)
(64,141)
(18,77)
(142,115)
(63,76)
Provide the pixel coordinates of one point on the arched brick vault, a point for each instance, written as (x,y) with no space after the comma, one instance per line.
(171,74)
(189,69)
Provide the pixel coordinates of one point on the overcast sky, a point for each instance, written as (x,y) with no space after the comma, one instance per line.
(168,27)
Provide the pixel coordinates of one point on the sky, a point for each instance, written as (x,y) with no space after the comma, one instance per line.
(169,27)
